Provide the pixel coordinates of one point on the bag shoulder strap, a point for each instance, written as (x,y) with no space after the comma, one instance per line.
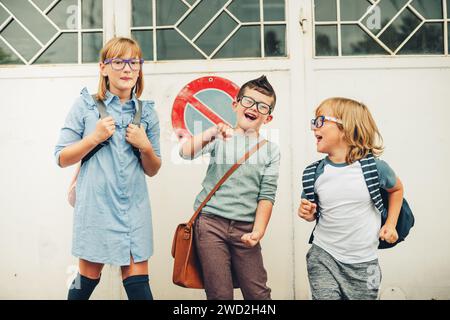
(224,178)
(100,107)
(103,114)
(138,115)
(308,180)
(370,172)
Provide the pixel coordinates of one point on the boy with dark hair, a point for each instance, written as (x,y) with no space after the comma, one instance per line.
(231,225)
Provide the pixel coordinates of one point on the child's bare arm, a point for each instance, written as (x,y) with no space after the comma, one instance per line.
(74,153)
(196,143)
(388,231)
(263,214)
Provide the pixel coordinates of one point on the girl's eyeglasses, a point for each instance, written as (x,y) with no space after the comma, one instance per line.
(248,102)
(320,120)
(119,64)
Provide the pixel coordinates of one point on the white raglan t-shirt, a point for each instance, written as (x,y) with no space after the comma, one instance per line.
(349,224)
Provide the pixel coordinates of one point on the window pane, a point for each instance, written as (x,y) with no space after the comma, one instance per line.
(274,10)
(65,14)
(430,9)
(145,40)
(245,43)
(7,56)
(92,14)
(63,50)
(448,9)
(326,41)
(191,2)
(172,46)
(275,41)
(353,10)
(400,29)
(141,15)
(325,10)
(42,4)
(429,39)
(356,41)
(382,14)
(197,19)
(31,18)
(169,11)
(216,33)
(245,10)
(20,40)
(92,44)
(3,15)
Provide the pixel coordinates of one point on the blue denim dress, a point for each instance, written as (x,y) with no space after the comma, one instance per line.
(112,218)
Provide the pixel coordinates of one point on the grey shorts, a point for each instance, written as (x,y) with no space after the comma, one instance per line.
(330,279)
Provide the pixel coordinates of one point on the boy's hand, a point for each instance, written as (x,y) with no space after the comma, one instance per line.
(224,131)
(251,239)
(307,210)
(388,233)
(104,129)
(137,137)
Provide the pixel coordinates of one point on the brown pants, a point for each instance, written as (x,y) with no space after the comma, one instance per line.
(224,258)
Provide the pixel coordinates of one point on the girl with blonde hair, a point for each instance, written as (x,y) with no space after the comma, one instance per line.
(112,217)
(343,262)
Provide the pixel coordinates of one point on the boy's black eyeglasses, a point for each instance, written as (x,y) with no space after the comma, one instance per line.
(248,102)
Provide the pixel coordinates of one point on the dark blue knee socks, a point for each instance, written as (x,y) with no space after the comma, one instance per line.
(82,288)
(138,288)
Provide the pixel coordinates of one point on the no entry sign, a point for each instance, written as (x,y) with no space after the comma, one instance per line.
(203,103)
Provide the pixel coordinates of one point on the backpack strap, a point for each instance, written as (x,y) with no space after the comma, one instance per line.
(102,114)
(370,172)
(308,181)
(137,121)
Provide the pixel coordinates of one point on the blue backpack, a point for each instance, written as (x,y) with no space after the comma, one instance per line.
(379,198)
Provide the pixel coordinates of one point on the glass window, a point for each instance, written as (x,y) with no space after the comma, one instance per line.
(47,31)
(352,10)
(326,41)
(210,29)
(275,40)
(325,10)
(383,27)
(274,10)
(142,13)
(245,10)
(428,40)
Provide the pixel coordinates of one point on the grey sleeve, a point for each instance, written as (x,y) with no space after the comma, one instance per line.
(269,180)
(387,176)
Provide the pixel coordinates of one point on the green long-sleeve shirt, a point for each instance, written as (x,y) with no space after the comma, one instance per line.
(254,180)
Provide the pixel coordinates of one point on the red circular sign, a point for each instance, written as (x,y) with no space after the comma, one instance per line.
(202,103)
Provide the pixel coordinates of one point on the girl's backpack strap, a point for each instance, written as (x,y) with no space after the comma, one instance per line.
(370,172)
(138,114)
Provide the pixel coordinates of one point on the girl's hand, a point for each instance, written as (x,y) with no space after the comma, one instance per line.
(251,239)
(137,137)
(307,210)
(388,234)
(224,131)
(104,129)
